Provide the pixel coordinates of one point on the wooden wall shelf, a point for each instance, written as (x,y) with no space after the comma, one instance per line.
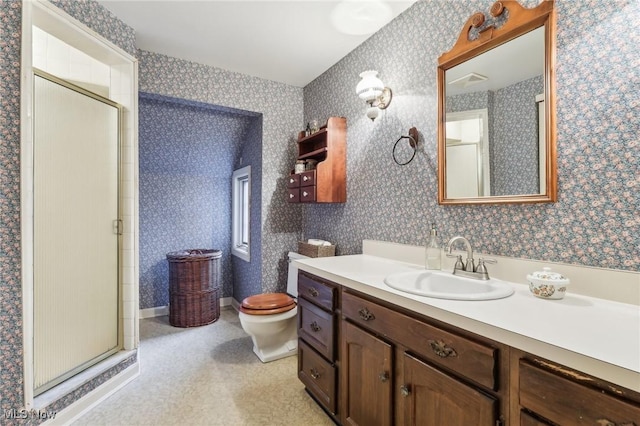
(327,183)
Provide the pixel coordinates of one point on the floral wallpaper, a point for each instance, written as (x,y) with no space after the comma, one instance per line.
(11,380)
(11,355)
(187,151)
(596,219)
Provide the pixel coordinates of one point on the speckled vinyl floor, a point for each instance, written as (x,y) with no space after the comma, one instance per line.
(207,376)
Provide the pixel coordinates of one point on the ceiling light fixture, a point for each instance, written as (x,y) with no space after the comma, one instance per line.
(372,90)
(360,17)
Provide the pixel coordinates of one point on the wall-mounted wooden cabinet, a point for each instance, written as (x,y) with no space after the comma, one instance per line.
(326,149)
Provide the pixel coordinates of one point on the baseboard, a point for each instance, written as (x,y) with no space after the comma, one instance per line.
(95,397)
(235,304)
(160,311)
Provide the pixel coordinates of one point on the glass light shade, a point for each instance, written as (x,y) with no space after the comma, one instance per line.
(373,112)
(370,87)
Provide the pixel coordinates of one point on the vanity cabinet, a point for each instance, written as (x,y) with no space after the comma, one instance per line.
(317,337)
(412,371)
(370,362)
(326,149)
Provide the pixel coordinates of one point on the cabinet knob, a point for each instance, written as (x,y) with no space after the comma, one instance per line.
(291,180)
(315,327)
(313,292)
(291,195)
(305,178)
(384,376)
(405,391)
(366,314)
(441,349)
(305,193)
(314,373)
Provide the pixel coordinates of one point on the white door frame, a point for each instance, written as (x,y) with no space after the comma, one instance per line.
(124,90)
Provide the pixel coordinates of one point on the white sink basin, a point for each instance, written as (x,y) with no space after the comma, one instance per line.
(444,285)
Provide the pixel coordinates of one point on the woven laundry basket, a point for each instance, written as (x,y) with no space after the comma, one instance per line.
(194,287)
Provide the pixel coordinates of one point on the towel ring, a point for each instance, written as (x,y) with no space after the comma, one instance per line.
(413,142)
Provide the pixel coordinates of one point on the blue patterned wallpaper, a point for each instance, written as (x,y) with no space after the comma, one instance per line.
(596,219)
(513,130)
(187,151)
(247,276)
(11,356)
(281,108)
(514,139)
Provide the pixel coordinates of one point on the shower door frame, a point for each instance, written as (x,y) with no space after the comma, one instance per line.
(117,230)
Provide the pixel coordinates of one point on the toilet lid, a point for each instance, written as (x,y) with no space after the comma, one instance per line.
(267,304)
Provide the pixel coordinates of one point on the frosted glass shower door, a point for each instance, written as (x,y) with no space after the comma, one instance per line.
(76,243)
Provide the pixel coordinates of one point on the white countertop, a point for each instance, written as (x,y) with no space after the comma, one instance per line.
(596,336)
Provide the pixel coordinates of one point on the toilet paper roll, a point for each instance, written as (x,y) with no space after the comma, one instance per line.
(317,242)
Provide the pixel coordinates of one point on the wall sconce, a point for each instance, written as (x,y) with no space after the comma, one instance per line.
(372,90)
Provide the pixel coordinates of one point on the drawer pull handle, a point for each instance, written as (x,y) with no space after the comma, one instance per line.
(366,314)
(441,349)
(305,193)
(315,327)
(607,422)
(384,376)
(291,195)
(314,373)
(313,292)
(405,391)
(291,180)
(305,178)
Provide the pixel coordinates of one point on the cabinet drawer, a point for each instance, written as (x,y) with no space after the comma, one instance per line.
(476,361)
(316,291)
(293,181)
(318,375)
(527,419)
(566,402)
(308,178)
(294,195)
(307,194)
(315,326)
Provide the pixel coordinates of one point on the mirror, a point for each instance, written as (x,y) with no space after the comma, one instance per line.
(496,109)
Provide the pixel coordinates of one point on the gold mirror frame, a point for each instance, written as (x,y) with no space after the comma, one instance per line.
(520,21)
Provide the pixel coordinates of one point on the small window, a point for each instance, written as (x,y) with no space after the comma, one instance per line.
(241,196)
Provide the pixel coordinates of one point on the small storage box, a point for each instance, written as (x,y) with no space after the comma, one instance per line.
(312,250)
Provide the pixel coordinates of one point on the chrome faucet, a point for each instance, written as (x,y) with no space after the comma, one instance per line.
(468,269)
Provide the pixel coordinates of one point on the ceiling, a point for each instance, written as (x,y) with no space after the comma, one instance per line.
(288,41)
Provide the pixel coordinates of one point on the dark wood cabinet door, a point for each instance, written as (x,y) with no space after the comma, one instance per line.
(433,398)
(366,378)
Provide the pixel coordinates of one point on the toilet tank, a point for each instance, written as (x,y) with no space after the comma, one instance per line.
(292,277)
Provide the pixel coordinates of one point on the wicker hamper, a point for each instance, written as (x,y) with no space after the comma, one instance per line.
(315,251)
(194,289)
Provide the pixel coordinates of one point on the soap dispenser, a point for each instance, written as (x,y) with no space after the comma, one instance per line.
(434,254)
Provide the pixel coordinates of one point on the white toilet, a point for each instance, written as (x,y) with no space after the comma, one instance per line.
(270,319)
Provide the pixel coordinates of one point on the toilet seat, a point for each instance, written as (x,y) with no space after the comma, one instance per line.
(267,304)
